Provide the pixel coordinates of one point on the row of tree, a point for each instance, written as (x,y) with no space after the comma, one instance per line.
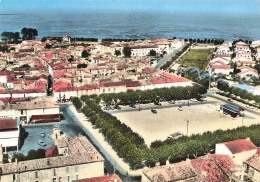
(27,34)
(169,63)
(120,136)
(130,146)
(119,40)
(32,154)
(86,39)
(163,94)
(243,94)
(208,41)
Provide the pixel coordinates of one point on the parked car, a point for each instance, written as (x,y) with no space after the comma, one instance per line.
(250,107)
(171,102)
(230,100)
(117,107)
(157,103)
(154,111)
(42,134)
(106,108)
(41,143)
(193,100)
(132,105)
(85,119)
(180,108)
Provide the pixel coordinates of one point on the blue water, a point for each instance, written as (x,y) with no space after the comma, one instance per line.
(136,25)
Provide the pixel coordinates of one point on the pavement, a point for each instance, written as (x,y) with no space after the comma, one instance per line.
(166,58)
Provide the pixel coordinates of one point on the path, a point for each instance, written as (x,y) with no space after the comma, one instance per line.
(166,58)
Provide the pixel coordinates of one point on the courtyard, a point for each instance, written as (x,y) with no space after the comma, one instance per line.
(200,117)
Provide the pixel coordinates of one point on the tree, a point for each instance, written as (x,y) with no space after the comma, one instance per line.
(48,46)
(127,52)
(16,36)
(43,39)
(117,53)
(29,33)
(152,53)
(257,67)
(85,54)
(77,103)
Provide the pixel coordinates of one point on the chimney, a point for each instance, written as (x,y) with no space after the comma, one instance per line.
(16,161)
(248,139)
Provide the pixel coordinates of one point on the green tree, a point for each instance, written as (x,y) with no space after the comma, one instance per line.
(127,52)
(152,53)
(77,103)
(117,53)
(85,54)
(29,33)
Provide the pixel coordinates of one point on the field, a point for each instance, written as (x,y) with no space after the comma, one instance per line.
(202,117)
(197,58)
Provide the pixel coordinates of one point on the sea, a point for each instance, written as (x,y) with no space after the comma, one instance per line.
(136,25)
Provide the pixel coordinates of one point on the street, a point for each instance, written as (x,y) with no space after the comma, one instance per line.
(166,58)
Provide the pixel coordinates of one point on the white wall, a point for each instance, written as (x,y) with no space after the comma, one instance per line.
(222,149)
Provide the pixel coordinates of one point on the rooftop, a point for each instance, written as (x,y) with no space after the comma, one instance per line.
(241,145)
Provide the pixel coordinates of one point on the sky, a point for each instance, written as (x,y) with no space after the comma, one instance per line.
(160,6)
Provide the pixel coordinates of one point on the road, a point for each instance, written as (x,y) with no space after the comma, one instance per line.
(78,129)
(151,106)
(166,58)
(235,103)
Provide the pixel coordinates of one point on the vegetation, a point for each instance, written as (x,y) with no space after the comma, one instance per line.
(86,39)
(127,52)
(32,154)
(4,48)
(48,46)
(169,62)
(152,53)
(197,58)
(29,33)
(130,145)
(85,54)
(117,53)
(243,94)
(77,103)
(11,36)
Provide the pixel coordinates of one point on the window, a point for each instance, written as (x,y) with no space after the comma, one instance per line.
(114,90)
(76,168)
(76,177)
(67,169)
(68,179)
(21,111)
(108,89)
(103,90)
(53,172)
(27,175)
(53,179)
(60,179)
(36,174)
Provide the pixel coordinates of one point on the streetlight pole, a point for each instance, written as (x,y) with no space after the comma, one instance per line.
(187,127)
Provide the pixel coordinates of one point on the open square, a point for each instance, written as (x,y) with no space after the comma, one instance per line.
(201,117)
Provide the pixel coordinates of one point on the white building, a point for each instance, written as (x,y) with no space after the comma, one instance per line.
(80,161)
(143,51)
(9,134)
(238,150)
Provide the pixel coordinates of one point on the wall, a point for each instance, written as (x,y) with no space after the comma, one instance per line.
(222,149)
(46,175)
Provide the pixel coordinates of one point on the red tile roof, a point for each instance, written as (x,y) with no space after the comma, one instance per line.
(213,173)
(7,124)
(108,178)
(224,162)
(51,152)
(237,146)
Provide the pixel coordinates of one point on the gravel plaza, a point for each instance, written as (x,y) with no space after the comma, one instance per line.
(201,117)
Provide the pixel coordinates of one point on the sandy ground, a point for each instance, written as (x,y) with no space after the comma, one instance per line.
(202,118)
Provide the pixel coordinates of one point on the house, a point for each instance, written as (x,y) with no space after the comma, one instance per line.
(108,178)
(238,150)
(9,134)
(247,72)
(81,161)
(223,60)
(41,109)
(220,67)
(244,60)
(143,50)
(181,172)
(250,89)
(252,167)
(255,43)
